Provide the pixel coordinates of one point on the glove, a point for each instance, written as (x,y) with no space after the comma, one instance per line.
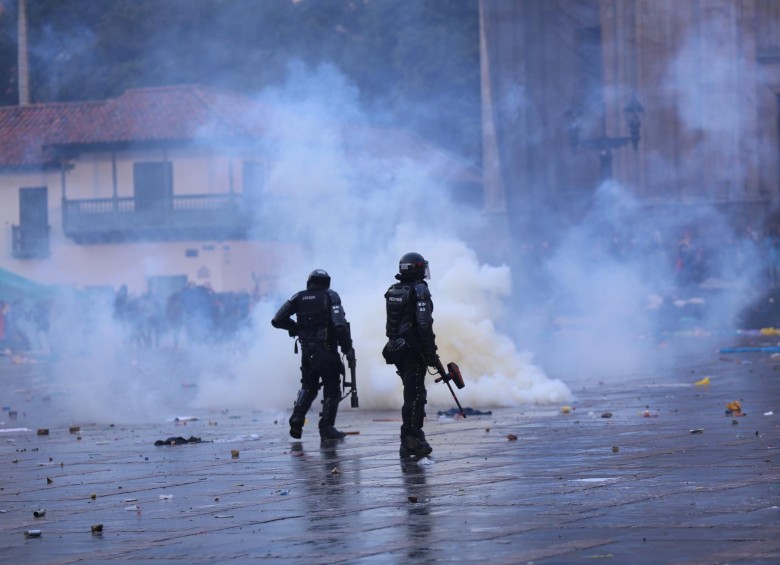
(431,360)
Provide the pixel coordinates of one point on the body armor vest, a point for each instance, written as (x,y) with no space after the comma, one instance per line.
(410,316)
(313,315)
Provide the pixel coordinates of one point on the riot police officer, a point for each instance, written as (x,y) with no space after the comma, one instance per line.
(320,326)
(411,346)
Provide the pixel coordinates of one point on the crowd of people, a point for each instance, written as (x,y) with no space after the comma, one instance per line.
(24,324)
(687,259)
(197,314)
(194,314)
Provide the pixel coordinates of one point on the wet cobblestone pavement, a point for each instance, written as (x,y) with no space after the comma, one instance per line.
(667,478)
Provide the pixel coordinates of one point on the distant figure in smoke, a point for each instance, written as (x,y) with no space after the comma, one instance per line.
(411,346)
(689,263)
(320,326)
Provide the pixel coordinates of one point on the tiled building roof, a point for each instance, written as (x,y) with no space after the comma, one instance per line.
(139,115)
(23,130)
(181,113)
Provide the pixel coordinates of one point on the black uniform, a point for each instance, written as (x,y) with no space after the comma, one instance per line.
(411,347)
(320,326)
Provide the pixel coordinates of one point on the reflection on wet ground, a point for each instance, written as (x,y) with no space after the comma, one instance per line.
(665,472)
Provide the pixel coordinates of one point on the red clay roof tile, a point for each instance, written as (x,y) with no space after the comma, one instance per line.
(139,115)
(183,113)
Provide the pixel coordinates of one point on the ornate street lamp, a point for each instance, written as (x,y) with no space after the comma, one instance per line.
(605,145)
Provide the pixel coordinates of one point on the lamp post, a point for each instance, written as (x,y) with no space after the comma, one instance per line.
(605,145)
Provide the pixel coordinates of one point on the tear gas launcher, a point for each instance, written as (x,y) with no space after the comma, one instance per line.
(451,374)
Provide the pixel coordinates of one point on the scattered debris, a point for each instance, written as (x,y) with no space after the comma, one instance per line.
(355,433)
(97,528)
(734,409)
(178,440)
(166,496)
(74,429)
(49,480)
(511,437)
(565,409)
(770,413)
(703,382)
(766,349)
(43,431)
(697,431)
(412,499)
(606,414)
(40,513)
(615,449)
(455,412)
(335,471)
(32,533)
(223,515)
(234,453)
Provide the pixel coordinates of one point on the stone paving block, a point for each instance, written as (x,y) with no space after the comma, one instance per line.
(571,488)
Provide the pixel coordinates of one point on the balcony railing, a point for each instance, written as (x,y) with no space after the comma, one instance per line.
(202,216)
(30,242)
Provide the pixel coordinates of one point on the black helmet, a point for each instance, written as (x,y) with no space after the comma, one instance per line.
(318,278)
(413,266)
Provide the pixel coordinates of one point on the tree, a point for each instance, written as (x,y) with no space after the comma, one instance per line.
(415,63)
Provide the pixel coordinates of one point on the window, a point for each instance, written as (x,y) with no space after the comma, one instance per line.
(31,236)
(153,186)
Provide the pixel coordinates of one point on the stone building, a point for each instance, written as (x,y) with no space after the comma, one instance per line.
(559,75)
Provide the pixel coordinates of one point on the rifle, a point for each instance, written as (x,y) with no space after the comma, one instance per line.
(351,362)
(453,374)
(353,383)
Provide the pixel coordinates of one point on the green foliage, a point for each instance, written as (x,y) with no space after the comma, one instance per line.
(415,62)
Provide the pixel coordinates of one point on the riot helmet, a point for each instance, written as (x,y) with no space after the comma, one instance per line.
(318,279)
(413,266)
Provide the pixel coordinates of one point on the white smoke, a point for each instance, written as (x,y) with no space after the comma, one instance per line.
(356,214)
(341,196)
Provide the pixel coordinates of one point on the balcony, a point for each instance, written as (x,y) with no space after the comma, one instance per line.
(30,242)
(184,217)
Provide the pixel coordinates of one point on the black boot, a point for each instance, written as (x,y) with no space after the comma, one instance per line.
(296,424)
(330,407)
(414,444)
(300,408)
